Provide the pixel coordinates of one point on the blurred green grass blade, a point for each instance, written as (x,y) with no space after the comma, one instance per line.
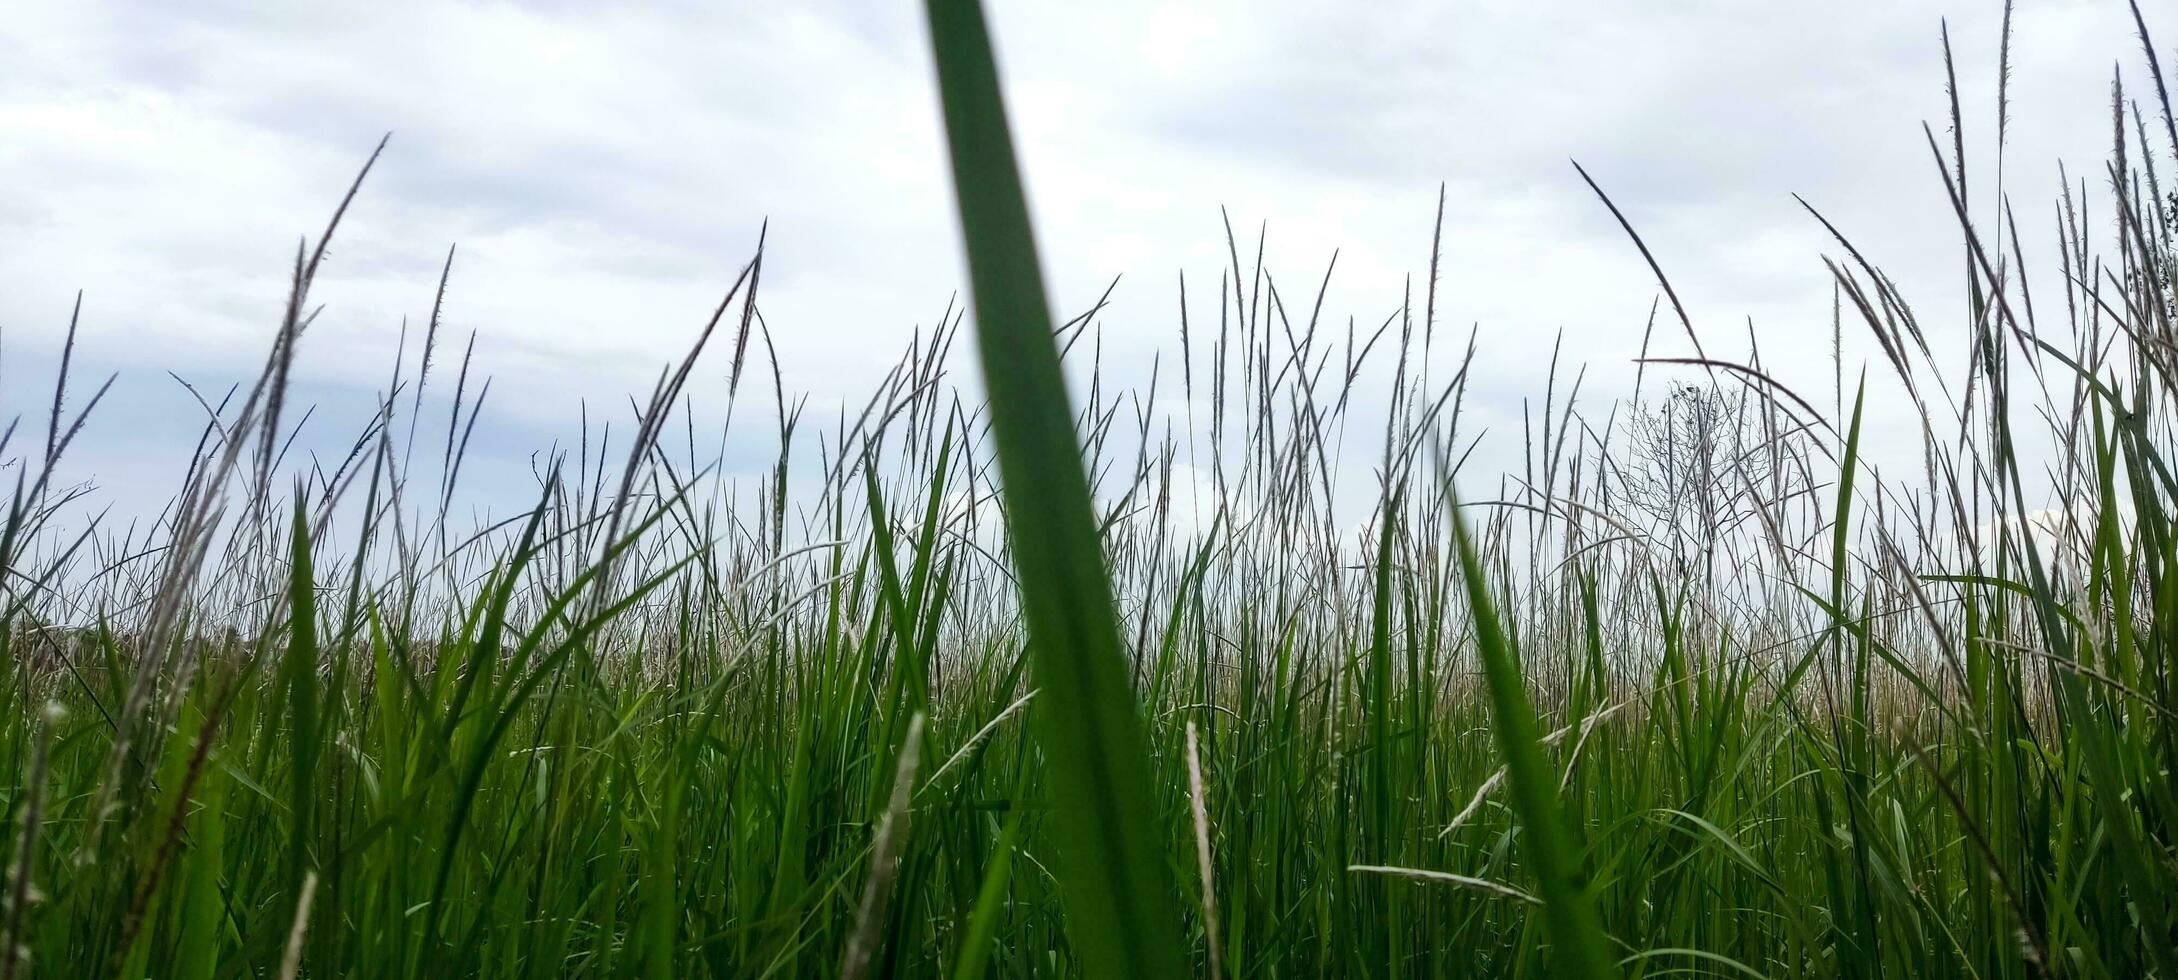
(299,670)
(977,939)
(1118,891)
(196,951)
(1551,841)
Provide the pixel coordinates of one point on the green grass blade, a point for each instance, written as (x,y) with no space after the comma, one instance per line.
(1551,840)
(978,937)
(1118,889)
(299,677)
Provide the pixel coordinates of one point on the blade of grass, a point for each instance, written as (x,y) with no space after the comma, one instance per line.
(1551,841)
(1117,885)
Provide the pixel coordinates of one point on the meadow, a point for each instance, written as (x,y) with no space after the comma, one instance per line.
(1120,686)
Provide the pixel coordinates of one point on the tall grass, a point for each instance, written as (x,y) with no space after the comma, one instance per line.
(1117,890)
(1089,686)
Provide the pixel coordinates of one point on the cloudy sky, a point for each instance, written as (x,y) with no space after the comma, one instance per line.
(605,168)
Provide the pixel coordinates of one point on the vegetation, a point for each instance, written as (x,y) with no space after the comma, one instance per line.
(1020,688)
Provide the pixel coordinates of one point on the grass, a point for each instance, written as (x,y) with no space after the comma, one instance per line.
(1091,686)
(1113,876)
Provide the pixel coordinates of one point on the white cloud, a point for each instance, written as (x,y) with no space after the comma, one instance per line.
(605,170)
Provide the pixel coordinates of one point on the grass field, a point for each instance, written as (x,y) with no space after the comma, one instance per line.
(1696,691)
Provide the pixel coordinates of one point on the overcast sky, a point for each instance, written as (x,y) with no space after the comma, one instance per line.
(605,169)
